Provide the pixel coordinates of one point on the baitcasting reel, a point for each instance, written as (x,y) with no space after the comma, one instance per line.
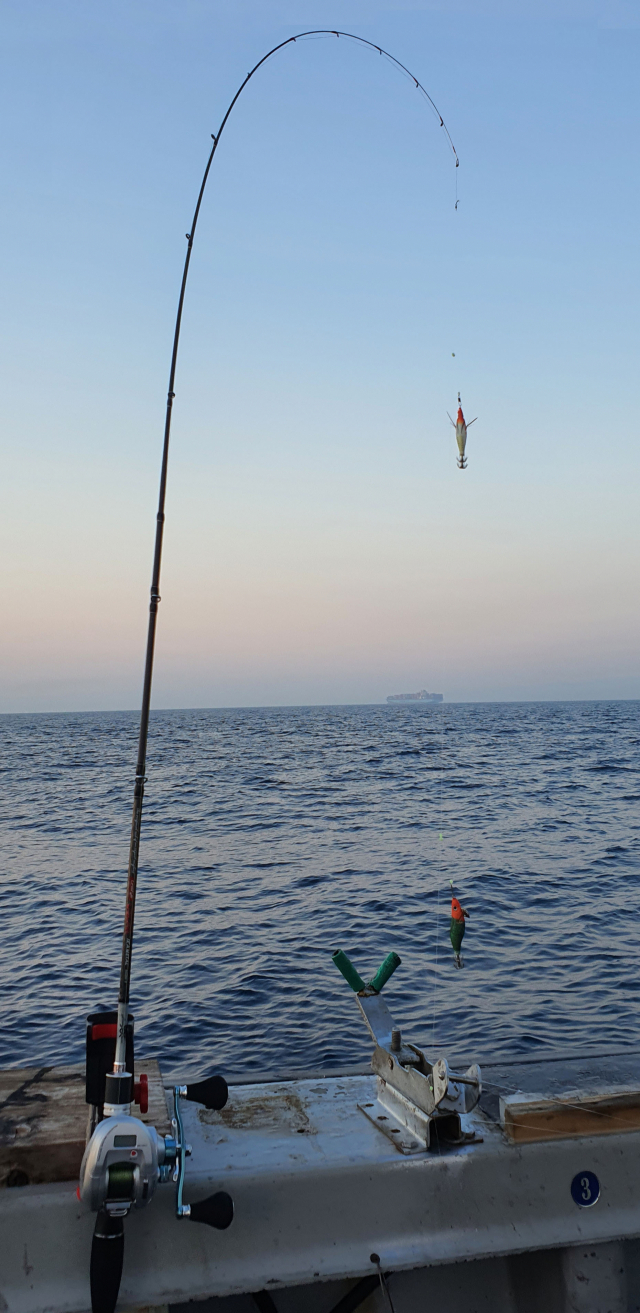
(125,1160)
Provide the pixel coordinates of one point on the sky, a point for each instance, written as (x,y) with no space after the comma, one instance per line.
(321,545)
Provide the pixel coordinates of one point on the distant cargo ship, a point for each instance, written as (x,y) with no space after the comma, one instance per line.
(422,696)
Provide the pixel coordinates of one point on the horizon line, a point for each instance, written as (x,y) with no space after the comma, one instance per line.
(304,706)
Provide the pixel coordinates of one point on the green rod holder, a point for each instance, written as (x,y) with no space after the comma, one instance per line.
(347,969)
(384,972)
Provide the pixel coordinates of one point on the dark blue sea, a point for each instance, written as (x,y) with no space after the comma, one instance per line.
(273,836)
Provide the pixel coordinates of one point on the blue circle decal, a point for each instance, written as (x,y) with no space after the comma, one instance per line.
(585,1189)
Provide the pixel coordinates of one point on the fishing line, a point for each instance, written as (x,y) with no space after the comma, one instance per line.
(371,45)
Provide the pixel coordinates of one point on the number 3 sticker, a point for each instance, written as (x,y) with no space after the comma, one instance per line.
(585,1189)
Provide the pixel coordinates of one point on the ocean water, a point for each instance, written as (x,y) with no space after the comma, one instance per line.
(273,836)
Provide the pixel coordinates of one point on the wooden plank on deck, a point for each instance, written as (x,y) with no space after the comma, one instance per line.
(43,1121)
(528,1118)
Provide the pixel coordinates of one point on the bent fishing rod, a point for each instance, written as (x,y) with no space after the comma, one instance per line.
(140,778)
(125,1158)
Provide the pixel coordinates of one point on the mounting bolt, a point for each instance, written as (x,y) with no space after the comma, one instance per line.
(396,1039)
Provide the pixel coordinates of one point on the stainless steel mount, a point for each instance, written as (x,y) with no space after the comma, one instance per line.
(419,1103)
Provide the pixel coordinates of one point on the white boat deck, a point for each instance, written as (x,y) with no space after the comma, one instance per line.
(317,1189)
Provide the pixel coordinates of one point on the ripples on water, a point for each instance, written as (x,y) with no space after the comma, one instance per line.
(272,836)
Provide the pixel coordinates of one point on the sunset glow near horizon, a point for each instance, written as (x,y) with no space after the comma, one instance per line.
(321,546)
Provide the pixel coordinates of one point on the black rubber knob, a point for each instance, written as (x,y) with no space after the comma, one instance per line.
(212,1092)
(216,1211)
(107,1253)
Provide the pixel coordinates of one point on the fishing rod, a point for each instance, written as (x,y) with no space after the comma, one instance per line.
(140,779)
(109,1181)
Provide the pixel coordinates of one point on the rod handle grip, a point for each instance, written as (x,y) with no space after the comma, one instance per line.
(107,1253)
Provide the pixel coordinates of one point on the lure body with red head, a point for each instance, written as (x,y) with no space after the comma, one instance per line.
(457,928)
(461,427)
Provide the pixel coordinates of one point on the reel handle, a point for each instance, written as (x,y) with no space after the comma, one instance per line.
(212,1092)
(217,1210)
(107,1253)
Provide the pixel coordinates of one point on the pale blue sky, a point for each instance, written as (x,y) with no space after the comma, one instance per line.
(321,545)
